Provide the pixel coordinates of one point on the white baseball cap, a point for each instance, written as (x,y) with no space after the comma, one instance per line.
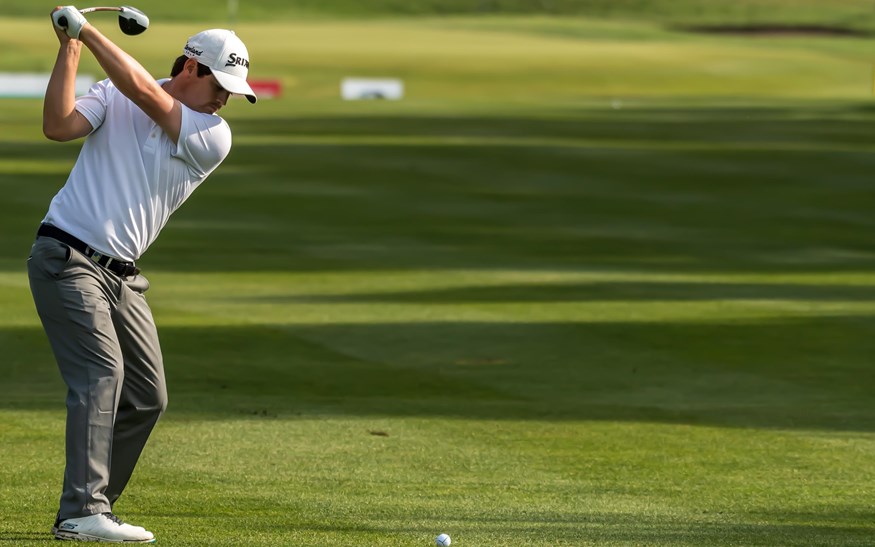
(224,53)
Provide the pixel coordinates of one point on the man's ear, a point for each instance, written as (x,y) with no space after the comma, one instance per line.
(190,66)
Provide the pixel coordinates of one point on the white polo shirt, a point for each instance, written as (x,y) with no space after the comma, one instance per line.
(130,177)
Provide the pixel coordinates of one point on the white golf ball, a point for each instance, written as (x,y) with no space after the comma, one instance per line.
(443,540)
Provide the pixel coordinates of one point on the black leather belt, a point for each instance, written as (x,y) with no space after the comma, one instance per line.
(123,269)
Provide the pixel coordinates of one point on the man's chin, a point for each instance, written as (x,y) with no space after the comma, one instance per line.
(204,109)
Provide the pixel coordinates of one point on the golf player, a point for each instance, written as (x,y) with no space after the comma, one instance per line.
(148,146)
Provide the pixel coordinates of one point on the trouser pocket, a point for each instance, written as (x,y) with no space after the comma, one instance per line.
(49,257)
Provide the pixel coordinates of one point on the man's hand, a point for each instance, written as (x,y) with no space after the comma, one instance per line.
(68,18)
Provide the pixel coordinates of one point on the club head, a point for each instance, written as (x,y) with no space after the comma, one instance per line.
(132,21)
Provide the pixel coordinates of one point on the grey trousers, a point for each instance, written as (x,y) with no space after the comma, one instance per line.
(105,342)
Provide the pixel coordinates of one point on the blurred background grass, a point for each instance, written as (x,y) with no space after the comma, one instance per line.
(846,13)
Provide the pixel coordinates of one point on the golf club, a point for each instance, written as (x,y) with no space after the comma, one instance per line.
(131,20)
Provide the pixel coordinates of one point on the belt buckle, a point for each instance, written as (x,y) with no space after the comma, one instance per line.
(97,257)
(126,269)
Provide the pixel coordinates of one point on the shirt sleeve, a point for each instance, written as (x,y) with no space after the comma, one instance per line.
(92,105)
(204,141)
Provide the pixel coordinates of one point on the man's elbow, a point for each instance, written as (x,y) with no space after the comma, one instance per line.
(57,137)
(61,132)
(55,133)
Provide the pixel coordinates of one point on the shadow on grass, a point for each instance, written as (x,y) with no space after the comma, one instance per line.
(658,125)
(812,373)
(629,203)
(596,291)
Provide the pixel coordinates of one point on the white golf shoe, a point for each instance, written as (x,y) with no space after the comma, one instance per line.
(103,527)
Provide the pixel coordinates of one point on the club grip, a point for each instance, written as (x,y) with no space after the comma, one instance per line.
(62,21)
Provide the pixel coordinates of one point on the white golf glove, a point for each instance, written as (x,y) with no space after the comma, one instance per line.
(70,20)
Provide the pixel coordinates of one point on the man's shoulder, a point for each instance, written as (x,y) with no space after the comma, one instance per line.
(205,139)
(203,121)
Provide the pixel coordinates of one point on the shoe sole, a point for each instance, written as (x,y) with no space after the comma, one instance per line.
(73,536)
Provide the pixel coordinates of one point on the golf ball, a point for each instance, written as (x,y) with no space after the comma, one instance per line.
(443,540)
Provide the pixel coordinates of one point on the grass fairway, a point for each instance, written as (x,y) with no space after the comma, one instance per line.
(589,284)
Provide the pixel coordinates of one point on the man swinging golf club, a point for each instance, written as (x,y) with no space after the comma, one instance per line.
(149,145)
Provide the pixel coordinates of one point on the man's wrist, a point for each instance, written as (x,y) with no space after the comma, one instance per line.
(71,50)
(85,32)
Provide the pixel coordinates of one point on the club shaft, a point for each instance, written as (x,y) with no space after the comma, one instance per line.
(89,10)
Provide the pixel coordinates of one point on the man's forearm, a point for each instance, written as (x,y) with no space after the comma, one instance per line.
(59,105)
(134,81)
(126,73)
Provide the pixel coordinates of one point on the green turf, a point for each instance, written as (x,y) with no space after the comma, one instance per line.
(591,283)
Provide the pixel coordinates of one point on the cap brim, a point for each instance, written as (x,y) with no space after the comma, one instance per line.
(235,84)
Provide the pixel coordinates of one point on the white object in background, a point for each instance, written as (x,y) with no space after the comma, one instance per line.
(31,86)
(357,89)
(443,540)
